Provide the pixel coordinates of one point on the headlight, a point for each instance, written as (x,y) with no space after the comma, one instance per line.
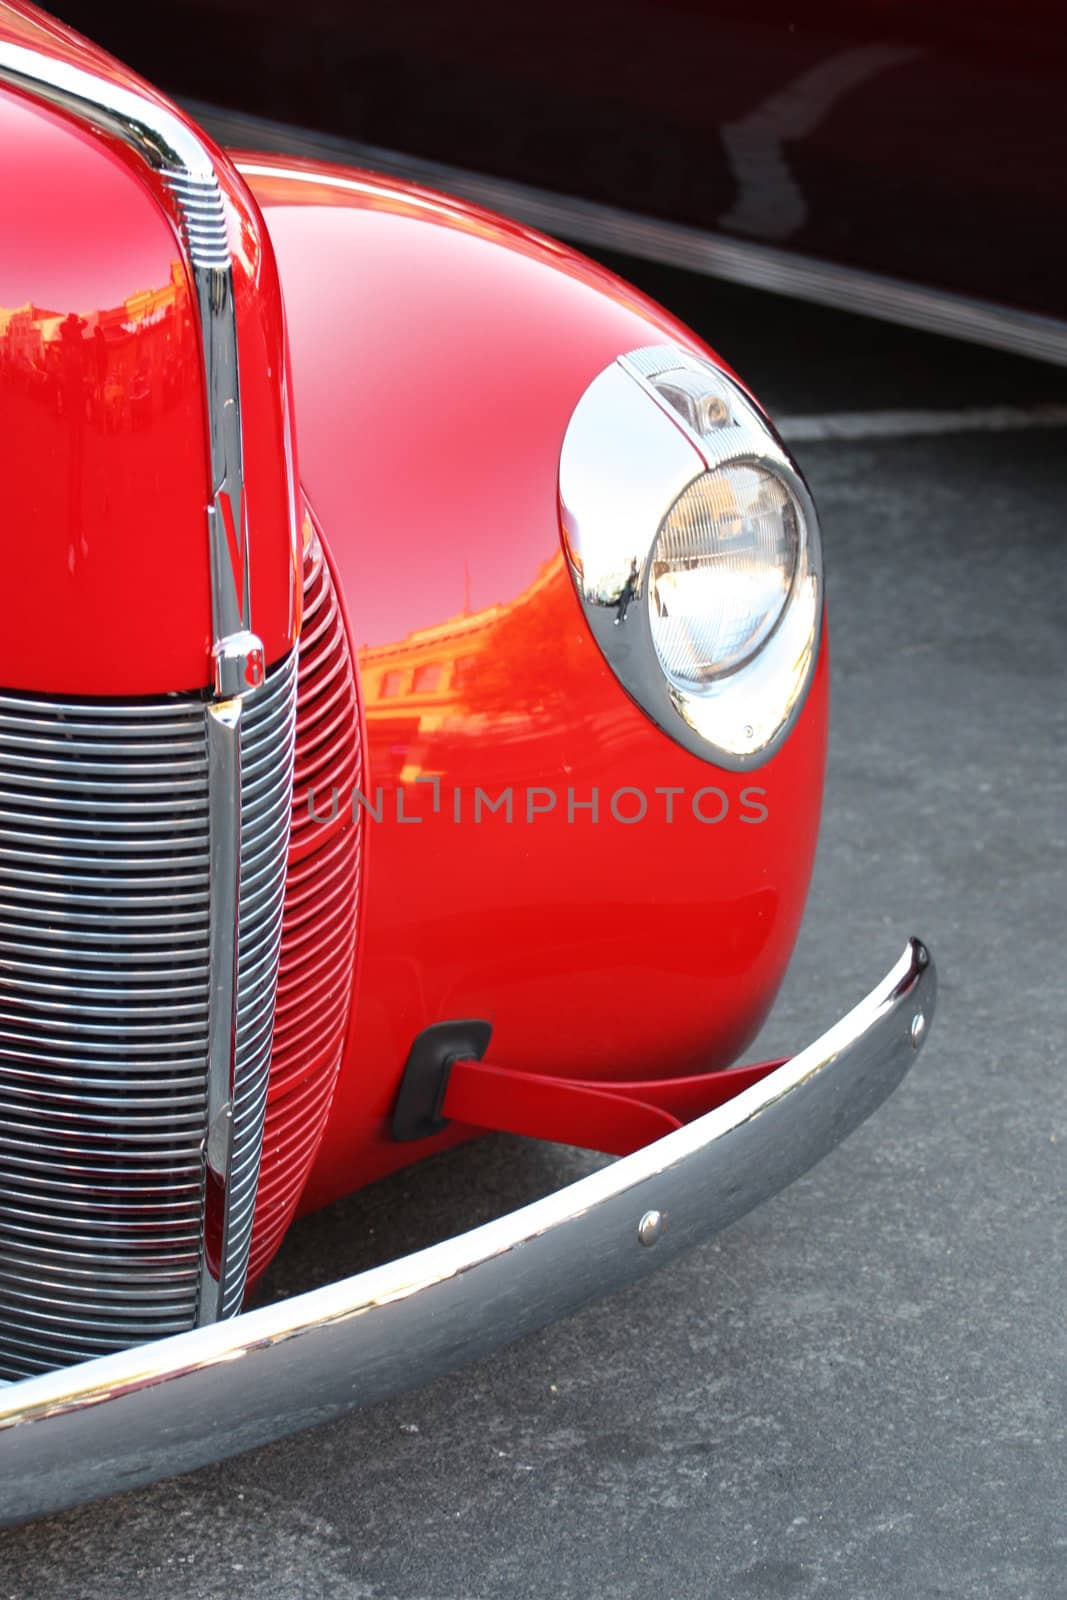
(694,548)
(721,571)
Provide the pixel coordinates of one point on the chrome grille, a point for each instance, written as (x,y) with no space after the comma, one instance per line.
(268,722)
(104,902)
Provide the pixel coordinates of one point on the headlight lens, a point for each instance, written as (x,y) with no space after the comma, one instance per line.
(721,572)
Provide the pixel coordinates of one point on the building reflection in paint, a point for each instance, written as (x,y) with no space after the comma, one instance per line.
(115,367)
(490,680)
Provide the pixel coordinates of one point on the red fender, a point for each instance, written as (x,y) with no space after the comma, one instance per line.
(438,353)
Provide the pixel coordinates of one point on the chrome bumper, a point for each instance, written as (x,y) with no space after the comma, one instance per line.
(164,1408)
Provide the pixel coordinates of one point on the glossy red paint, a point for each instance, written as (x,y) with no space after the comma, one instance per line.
(101,405)
(438,353)
(103,413)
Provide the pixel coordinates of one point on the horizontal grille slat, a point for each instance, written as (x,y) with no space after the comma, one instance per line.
(86,1299)
(143,1133)
(42,1074)
(97,988)
(53,956)
(104,959)
(70,743)
(100,1036)
(131,920)
(86,868)
(41,1225)
(119,800)
(97,821)
(182,1016)
(58,1109)
(56,1328)
(142,722)
(102,774)
(20,1176)
(148,1212)
(92,944)
(73,1258)
(56,901)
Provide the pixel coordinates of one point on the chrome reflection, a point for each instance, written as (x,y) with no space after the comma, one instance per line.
(660,441)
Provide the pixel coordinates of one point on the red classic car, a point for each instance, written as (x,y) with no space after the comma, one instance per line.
(412,723)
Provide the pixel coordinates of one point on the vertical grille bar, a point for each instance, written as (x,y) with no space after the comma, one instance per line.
(267,730)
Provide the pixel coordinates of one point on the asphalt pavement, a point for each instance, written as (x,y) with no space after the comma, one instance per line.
(860,1390)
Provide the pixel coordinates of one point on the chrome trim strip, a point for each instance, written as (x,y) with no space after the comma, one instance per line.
(224,779)
(268,726)
(169,1407)
(675,244)
(249,852)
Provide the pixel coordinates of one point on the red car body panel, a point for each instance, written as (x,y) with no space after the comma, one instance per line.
(104,412)
(607,950)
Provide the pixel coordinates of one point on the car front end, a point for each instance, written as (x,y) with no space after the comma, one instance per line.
(413,701)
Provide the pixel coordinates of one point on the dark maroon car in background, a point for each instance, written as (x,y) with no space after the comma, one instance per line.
(904,158)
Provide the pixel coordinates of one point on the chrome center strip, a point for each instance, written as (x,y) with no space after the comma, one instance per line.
(149,1413)
(224,788)
(267,730)
(250,770)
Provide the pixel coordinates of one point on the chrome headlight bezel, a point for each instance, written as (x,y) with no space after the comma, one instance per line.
(629,453)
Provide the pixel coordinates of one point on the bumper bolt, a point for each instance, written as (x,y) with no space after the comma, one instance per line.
(650,1227)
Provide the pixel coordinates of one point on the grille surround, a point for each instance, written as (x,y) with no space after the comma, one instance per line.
(104,955)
